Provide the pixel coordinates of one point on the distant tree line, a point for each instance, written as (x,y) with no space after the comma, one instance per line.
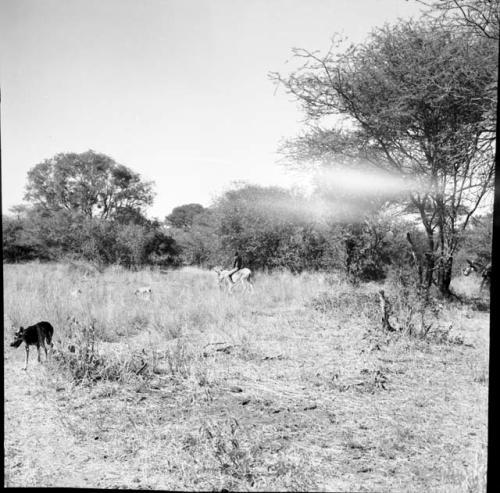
(272,228)
(86,206)
(417,98)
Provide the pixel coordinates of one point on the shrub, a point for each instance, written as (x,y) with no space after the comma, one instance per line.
(80,358)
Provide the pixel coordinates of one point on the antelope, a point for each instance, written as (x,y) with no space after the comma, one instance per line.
(143,291)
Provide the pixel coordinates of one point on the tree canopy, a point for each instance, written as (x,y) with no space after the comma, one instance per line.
(90,183)
(479,17)
(415,98)
(183,215)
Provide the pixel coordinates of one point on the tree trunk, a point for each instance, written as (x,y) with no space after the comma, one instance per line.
(430,258)
(429,264)
(445,262)
(444,275)
(418,263)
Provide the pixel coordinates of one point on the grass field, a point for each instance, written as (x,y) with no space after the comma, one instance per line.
(292,388)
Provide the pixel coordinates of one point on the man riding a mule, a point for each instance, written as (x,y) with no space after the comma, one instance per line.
(238,275)
(237,265)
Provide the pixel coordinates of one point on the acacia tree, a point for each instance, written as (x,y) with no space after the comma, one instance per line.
(415,97)
(90,183)
(480,17)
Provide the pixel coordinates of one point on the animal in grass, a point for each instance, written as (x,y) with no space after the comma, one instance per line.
(242,277)
(483,270)
(143,291)
(76,293)
(34,335)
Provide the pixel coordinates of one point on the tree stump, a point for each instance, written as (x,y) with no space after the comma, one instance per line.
(385,309)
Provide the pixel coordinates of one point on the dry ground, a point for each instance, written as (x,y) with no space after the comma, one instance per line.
(293,388)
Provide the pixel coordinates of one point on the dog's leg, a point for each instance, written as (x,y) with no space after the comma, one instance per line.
(27,355)
(51,348)
(38,351)
(45,349)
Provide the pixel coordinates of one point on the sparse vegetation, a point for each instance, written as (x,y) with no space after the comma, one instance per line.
(293,388)
(359,363)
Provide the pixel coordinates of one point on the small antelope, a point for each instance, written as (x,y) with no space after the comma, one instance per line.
(33,335)
(76,292)
(143,291)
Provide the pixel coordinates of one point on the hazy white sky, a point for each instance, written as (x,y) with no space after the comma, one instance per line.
(175,89)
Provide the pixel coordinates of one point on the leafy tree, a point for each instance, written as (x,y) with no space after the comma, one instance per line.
(131,215)
(98,241)
(52,235)
(87,206)
(200,244)
(477,18)
(271,227)
(414,99)
(183,216)
(55,234)
(477,242)
(161,249)
(90,183)
(17,244)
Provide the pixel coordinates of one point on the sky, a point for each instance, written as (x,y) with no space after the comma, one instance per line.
(178,90)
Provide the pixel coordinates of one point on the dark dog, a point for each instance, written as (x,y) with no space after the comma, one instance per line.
(34,335)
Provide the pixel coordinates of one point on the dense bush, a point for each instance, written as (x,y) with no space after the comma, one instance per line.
(45,235)
(86,206)
(17,245)
(198,244)
(272,228)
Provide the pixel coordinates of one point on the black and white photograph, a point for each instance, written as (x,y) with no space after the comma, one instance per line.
(247,244)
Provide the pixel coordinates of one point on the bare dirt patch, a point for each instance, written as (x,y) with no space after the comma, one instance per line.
(39,451)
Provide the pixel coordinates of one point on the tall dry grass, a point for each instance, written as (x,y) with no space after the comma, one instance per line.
(185,305)
(292,387)
(100,310)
